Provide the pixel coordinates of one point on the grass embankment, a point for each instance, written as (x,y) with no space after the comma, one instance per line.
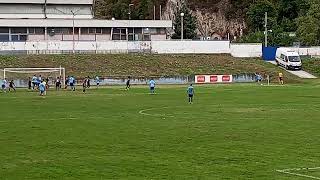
(312,65)
(141,65)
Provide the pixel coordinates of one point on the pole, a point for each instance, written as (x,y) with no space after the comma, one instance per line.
(266,30)
(182,28)
(4,73)
(160,12)
(60,71)
(73,48)
(64,75)
(129,13)
(154,12)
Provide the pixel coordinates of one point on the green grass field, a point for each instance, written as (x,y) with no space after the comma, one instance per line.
(230,132)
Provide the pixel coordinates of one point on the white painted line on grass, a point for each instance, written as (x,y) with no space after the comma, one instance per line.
(143,112)
(56,119)
(287,171)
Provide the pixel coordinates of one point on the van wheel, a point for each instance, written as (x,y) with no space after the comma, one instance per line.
(287,67)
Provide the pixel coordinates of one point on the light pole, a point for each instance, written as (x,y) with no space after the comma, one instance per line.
(129,13)
(73,19)
(73,45)
(266,29)
(182,15)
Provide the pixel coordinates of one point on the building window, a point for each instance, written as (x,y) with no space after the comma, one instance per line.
(98,31)
(32,30)
(119,34)
(91,31)
(19,37)
(84,30)
(106,30)
(131,34)
(39,30)
(35,30)
(19,30)
(4,37)
(4,30)
(146,34)
(64,31)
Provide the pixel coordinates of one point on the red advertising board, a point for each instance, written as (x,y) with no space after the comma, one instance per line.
(212,79)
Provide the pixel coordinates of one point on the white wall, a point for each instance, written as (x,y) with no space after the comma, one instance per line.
(189,47)
(160,47)
(246,50)
(311,51)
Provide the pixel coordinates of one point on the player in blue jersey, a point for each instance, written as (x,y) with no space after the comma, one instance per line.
(42,89)
(4,85)
(34,82)
(152,85)
(190,92)
(72,82)
(97,80)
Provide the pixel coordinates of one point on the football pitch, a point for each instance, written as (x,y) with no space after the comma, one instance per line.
(229,132)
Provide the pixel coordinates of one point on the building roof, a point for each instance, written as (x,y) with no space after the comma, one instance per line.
(48,2)
(84,23)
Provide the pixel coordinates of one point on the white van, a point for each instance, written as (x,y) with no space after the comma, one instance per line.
(288,59)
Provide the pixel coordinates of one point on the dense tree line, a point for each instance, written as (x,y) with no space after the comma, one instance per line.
(290,20)
(119,9)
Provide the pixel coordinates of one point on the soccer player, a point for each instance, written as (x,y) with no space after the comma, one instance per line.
(190,92)
(281,78)
(42,89)
(258,78)
(152,85)
(12,86)
(66,82)
(29,83)
(47,82)
(58,83)
(72,82)
(84,84)
(34,81)
(97,79)
(38,81)
(128,85)
(4,85)
(88,82)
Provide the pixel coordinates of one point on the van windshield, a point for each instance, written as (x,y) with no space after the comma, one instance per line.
(294,58)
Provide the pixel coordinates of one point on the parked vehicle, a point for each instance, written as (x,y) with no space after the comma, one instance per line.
(288,59)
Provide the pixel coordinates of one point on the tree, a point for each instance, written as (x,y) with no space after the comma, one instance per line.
(256,15)
(309,25)
(189,24)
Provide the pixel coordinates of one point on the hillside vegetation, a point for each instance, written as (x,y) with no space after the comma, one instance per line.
(142,65)
(291,21)
(312,65)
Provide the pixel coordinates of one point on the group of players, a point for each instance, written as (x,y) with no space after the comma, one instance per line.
(38,84)
(8,85)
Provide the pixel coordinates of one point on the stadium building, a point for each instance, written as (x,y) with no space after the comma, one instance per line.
(70,20)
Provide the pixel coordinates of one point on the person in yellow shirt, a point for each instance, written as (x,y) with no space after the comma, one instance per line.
(281,78)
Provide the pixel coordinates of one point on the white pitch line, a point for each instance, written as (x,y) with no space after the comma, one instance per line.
(297,174)
(287,171)
(38,120)
(299,169)
(143,112)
